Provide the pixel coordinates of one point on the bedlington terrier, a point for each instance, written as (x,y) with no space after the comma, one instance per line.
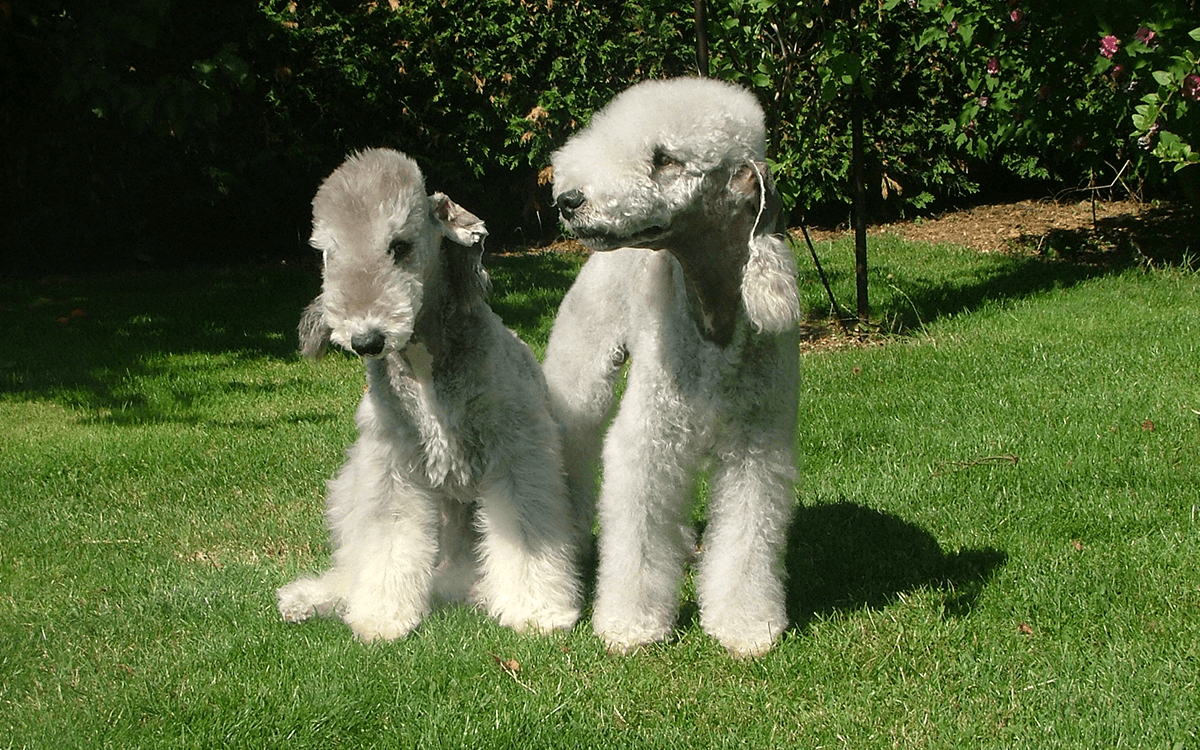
(709,328)
(457,456)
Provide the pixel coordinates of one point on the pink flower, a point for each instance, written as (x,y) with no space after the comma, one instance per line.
(952,28)
(1191,87)
(993,66)
(1017,19)
(1109,46)
(1118,70)
(1145,36)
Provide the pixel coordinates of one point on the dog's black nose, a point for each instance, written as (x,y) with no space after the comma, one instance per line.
(569,201)
(367,344)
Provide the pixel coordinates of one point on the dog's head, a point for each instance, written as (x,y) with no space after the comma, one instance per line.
(644,157)
(380,236)
(679,165)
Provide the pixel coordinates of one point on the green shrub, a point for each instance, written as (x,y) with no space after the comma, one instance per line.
(159,130)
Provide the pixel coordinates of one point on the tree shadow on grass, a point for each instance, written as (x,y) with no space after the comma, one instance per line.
(1163,235)
(93,343)
(904,298)
(844,557)
(108,345)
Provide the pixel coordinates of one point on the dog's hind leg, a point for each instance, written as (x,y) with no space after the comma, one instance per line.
(527,550)
(306,597)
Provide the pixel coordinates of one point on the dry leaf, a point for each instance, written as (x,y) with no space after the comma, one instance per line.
(1147,425)
(537,114)
(1025,629)
(512,666)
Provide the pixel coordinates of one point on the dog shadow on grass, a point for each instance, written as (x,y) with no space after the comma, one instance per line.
(844,557)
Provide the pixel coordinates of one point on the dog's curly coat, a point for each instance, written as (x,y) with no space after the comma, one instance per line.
(457,455)
(710,331)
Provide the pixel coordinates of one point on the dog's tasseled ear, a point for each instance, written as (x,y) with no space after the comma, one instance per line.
(769,290)
(314,333)
(457,223)
(467,276)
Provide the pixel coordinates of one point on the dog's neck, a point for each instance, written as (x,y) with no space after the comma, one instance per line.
(445,318)
(712,273)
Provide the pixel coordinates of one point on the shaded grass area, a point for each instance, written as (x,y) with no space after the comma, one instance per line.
(996,542)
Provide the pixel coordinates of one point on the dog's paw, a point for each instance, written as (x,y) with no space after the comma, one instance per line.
(541,622)
(302,599)
(746,637)
(747,648)
(371,629)
(620,644)
(626,637)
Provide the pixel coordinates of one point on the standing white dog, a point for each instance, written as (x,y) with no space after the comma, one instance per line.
(710,330)
(457,455)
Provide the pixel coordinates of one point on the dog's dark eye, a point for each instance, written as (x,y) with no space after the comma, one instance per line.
(399,248)
(663,159)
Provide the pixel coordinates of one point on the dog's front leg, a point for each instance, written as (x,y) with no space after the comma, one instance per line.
(385,530)
(527,551)
(649,483)
(740,581)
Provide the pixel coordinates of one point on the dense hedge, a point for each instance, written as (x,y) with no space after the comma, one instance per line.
(157,130)
(161,130)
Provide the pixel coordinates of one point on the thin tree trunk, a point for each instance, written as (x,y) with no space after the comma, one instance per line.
(701,38)
(860,205)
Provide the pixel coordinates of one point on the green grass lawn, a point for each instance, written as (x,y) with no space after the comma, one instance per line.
(997,541)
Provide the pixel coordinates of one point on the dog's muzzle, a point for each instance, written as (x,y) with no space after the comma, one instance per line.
(599,237)
(369,344)
(569,202)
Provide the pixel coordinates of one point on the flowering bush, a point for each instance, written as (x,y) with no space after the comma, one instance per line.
(155,122)
(1166,121)
(1057,76)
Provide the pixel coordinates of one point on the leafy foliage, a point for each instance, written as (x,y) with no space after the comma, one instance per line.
(806,63)
(958,88)
(1055,85)
(157,129)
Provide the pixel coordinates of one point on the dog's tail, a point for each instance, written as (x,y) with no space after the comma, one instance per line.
(314,333)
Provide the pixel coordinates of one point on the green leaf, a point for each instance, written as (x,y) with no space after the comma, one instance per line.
(930,34)
(1195,34)
(1162,77)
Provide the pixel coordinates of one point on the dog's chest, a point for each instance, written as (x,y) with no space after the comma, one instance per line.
(442,452)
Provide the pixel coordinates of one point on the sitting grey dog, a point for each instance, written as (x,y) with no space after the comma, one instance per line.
(455,484)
